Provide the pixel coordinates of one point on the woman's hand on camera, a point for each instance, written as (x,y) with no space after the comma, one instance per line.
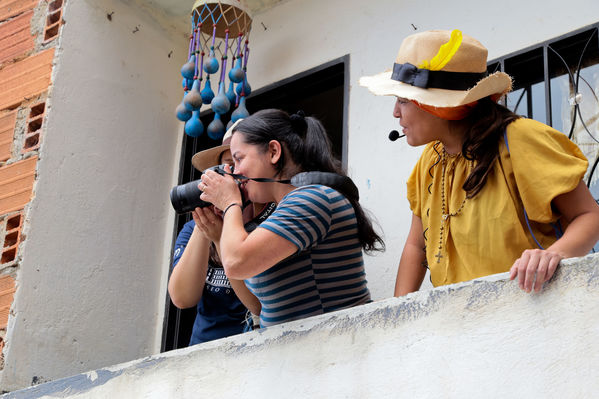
(219,190)
(534,268)
(208,222)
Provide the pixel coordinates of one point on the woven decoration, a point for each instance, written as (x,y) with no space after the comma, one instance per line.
(219,32)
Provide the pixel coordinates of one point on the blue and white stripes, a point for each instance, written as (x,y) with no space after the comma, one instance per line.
(327,272)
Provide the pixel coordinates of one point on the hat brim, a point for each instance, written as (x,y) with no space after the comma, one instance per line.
(497,84)
(207,158)
(210,157)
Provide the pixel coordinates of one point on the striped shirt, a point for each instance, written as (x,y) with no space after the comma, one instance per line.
(327,271)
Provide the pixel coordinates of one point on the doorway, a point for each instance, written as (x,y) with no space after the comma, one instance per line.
(321,92)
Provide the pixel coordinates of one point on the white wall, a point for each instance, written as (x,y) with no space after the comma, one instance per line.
(303,34)
(481,339)
(91,286)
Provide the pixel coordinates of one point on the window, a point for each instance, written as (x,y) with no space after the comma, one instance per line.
(557,83)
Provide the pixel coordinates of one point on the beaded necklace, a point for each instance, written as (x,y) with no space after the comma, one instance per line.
(446,214)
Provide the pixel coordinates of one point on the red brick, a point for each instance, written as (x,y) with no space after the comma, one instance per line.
(26,78)
(7,128)
(12,8)
(16,185)
(13,222)
(15,37)
(53,22)
(12,238)
(32,142)
(7,292)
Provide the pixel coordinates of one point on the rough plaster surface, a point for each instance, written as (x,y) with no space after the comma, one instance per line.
(484,338)
(90,286)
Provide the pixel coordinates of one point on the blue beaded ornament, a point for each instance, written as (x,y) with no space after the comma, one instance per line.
(194,126)
(230,23)
(193,99)
(216,128)
(220,103)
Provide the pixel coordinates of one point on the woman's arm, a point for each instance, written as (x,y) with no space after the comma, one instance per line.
(210,225)
(581,212)
(411,269)
(186,283)
(245,255)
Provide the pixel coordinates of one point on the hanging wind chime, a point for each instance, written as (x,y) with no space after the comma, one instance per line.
(219,29)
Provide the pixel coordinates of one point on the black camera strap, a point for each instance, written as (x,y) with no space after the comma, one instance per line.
(266,211)
(343,184)
(258,179)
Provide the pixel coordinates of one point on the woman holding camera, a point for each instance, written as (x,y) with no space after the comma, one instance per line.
(306,258)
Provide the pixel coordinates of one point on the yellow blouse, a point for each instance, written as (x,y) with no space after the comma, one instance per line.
(490,232)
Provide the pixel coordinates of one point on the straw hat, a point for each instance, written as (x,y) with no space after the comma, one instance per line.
(441,69)
(210,157)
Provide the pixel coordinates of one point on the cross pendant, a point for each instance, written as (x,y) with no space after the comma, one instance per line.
(439,256)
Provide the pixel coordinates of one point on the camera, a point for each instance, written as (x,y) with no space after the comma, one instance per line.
(186,197)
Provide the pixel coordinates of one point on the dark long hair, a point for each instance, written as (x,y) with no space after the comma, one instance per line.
(486,122)
(305,143)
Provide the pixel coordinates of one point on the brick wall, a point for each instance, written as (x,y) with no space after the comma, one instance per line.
(29,31)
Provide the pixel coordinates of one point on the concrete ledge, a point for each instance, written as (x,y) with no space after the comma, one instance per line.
(483,338)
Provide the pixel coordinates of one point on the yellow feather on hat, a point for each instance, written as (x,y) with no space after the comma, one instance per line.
(445,54)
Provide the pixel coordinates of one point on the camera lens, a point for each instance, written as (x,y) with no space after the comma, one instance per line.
(186,197)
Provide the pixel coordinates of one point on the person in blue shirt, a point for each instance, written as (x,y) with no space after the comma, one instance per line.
(219,312)
(198,278)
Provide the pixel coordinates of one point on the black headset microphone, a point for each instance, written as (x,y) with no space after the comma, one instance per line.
(394,135)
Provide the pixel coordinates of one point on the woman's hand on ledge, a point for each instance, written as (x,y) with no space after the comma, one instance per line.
(534,268)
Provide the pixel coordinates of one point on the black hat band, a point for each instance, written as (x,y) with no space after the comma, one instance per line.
(427,79)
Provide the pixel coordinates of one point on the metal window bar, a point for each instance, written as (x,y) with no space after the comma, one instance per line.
(547,81)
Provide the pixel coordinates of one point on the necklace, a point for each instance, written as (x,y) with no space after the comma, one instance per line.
(446,214)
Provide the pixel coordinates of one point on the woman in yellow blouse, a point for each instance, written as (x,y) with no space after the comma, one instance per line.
(485,175)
